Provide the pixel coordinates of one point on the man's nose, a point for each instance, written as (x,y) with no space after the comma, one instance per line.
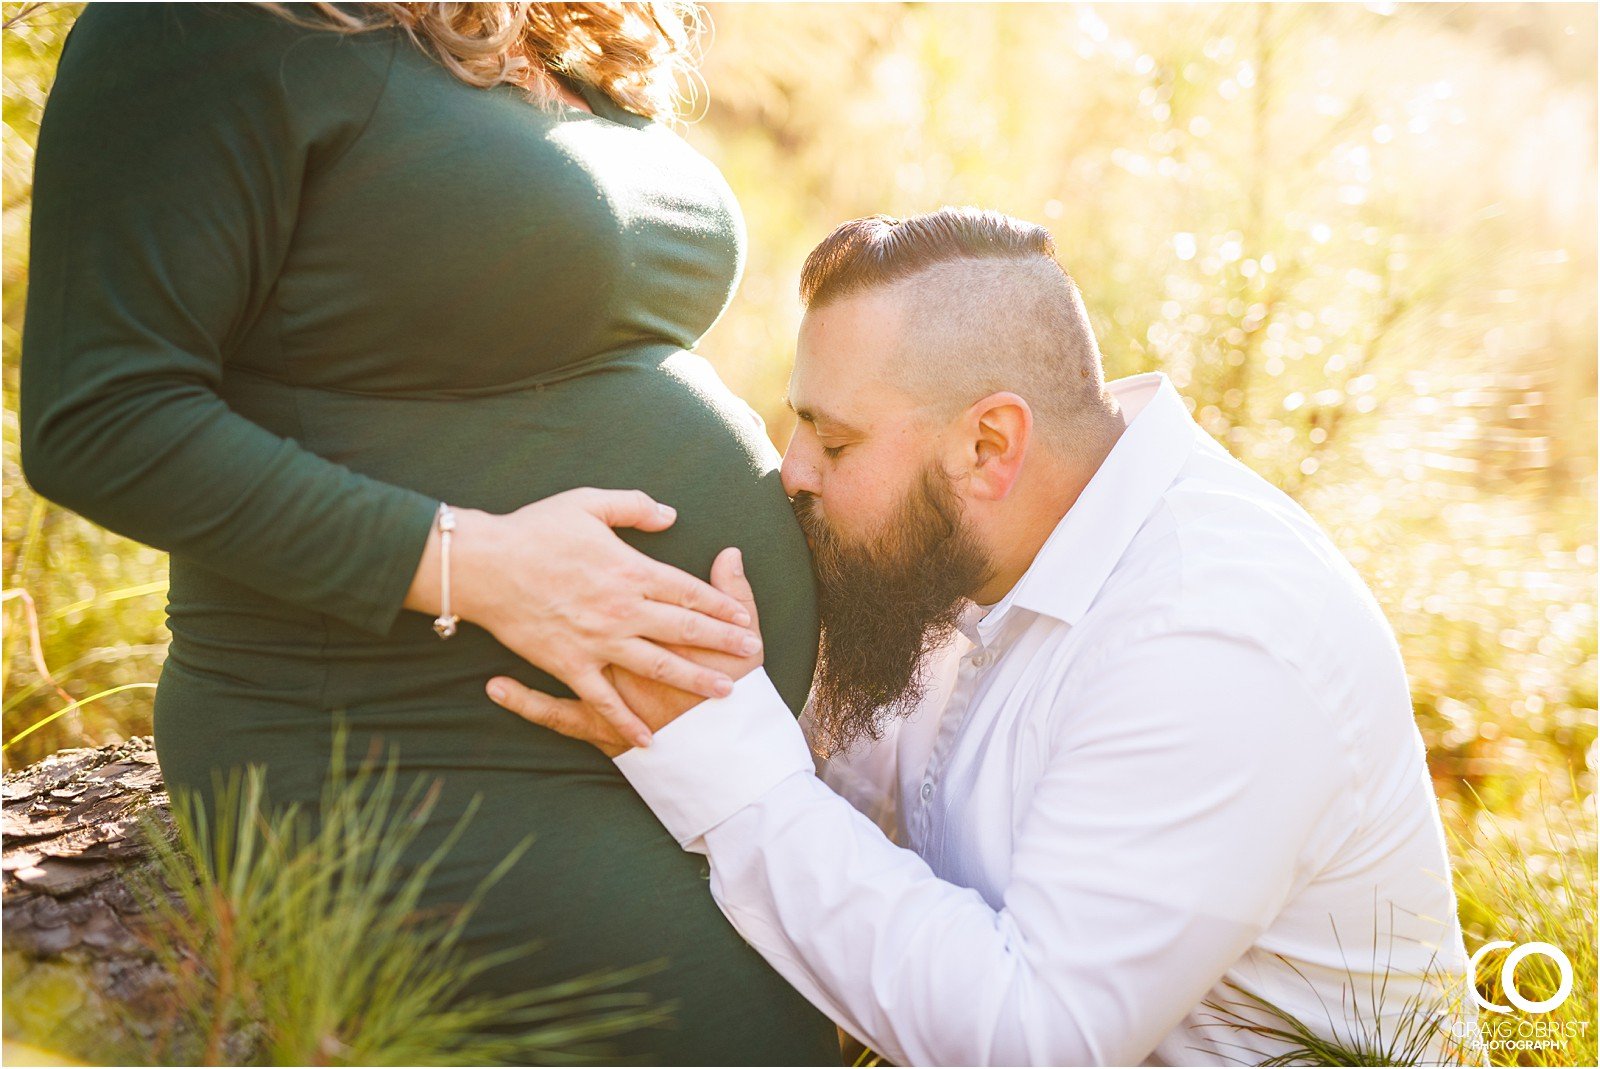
(799,474)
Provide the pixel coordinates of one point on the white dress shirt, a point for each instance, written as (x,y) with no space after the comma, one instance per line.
(1175,764)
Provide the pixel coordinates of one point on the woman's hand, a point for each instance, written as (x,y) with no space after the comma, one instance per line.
(555,585)
(659,704)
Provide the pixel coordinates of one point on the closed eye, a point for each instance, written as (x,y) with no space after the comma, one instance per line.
(832,451)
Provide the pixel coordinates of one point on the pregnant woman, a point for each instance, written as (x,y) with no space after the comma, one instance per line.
(293,287)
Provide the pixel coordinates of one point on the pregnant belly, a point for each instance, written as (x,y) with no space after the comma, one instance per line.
(658,420)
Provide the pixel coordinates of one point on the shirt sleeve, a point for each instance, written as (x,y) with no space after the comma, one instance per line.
(171,159)
(671,773)
(1176,813)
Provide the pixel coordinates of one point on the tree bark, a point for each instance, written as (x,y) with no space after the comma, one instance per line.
(73,838)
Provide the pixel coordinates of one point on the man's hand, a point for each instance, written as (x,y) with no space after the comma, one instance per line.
(657,704)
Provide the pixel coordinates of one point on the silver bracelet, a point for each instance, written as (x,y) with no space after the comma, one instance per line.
(445,625)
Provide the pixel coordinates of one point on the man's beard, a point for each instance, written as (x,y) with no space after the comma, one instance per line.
(885,605)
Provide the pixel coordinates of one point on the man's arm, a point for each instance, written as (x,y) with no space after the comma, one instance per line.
(1179,809)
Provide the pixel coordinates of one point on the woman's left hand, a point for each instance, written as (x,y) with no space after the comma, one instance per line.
(657,704)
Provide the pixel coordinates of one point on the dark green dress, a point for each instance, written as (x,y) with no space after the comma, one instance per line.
(288,290)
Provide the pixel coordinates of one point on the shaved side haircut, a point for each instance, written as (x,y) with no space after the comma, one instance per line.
(986,308)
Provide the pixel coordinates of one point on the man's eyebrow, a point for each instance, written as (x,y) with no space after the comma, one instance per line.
(814,417)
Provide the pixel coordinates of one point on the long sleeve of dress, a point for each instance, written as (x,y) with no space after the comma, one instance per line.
(165,196)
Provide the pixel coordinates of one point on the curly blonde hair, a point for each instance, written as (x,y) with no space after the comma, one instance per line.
(642,55)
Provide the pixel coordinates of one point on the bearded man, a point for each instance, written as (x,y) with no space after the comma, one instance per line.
(1119,754)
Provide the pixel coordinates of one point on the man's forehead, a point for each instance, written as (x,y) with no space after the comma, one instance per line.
(844,348)
(855,401)
(827,371)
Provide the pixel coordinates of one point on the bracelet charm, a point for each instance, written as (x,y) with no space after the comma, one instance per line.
(445,624)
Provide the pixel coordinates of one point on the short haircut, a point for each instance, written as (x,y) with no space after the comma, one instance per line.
(988,307)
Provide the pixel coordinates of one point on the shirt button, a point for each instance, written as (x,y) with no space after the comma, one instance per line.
(981,661)
(927,791)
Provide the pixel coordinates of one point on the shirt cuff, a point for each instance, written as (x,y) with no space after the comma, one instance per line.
(718,758)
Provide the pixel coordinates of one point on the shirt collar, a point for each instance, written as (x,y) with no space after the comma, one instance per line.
(1077,558)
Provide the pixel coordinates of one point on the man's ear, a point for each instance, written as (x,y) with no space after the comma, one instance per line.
(997,432)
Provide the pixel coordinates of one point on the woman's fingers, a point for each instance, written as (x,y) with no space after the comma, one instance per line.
(676,587)
(602,718)
(679,627)
(554,583)
(574,719)
(626,508)
(594,689)
(649,661)
(635,508)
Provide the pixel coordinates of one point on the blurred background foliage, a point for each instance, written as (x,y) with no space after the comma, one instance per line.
(1361,240)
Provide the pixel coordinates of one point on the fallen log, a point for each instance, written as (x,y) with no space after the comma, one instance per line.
(74,843)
